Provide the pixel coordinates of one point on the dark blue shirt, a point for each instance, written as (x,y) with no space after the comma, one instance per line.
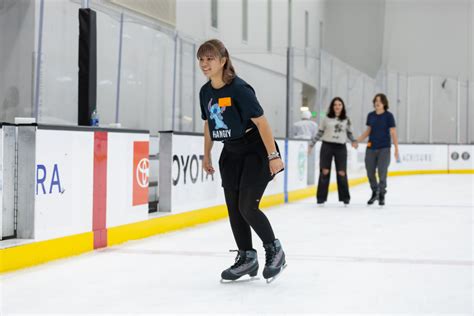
(229,110)
(380,125)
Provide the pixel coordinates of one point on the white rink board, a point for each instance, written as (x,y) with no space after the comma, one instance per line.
(355,161)
(276,186)
(420,157)
(63,200)
(412,158)
(120,209)
(1,183)
(460,157)
(192,189)
(298,164)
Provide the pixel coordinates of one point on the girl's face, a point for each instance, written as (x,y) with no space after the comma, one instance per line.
(337,107)
(211,66)
(378,104)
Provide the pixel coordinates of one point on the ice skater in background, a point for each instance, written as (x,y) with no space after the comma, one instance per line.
(335,131)
(305,128)
(380,128)
(249,160)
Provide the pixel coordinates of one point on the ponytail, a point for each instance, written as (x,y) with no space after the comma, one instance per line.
(229,72)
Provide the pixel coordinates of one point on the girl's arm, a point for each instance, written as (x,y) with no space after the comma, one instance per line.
(207,161)
(364,135)
(393,133)
(265,131)
(350,135)
(318,136)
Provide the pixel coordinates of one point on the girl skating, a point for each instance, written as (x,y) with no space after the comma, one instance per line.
(249,159)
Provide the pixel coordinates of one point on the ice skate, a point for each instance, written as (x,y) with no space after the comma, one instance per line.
(246,263)
(382,199)
(275,260)
(373,198)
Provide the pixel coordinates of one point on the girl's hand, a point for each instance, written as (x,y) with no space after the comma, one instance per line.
(207,165)
(355,145)
(276,165)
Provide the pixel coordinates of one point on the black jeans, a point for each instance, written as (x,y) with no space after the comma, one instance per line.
(339,153)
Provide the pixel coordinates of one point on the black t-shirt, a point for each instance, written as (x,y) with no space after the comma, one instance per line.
(229,110)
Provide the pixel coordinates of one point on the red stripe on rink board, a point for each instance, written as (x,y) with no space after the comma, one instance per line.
(100,190)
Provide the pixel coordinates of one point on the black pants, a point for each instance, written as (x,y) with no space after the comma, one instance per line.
(339,152)
(244,213)
(245,173)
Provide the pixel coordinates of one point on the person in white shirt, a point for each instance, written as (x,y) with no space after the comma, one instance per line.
(335,131)
(305,129)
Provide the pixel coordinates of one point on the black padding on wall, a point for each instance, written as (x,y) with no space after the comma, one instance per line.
(87,96)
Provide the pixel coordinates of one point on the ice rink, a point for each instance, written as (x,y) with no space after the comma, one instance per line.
(412,256)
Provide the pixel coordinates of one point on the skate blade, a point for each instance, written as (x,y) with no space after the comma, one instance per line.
(250,279)
(270,280)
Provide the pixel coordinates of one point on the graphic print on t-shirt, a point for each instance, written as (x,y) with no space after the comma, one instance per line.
(215,113)
(337,130)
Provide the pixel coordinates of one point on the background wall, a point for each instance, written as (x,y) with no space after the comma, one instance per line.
(354,32)
(429,37)
(418,52)
(17,33)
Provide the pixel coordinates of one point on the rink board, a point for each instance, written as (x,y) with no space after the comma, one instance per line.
(184,186)
(84,180)
(415,160)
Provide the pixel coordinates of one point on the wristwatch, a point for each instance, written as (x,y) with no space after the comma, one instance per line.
(274,155)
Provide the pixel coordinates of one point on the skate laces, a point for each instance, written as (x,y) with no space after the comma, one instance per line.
(270,254)
(239,259)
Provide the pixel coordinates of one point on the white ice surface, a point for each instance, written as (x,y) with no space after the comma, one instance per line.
(413,256)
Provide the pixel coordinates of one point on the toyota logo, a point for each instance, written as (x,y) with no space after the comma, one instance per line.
(142,172)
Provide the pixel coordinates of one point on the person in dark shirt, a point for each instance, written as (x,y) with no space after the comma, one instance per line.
(380,128)
(249,160)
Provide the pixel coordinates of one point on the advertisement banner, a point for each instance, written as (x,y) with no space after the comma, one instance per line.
(420,157)
(192,188)
(460,157)
(412,157)
(64,183)
(298,164)
(127,178)
(1,183)
(140,171)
